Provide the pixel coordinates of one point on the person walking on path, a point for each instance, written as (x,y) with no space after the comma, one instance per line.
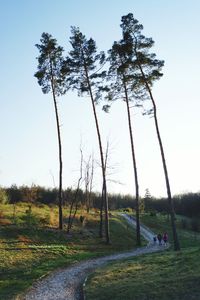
(159,237)
(165,238)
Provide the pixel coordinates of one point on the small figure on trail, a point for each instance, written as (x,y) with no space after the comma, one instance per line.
(82,218)
(154,240)
(159,237)
(165,238)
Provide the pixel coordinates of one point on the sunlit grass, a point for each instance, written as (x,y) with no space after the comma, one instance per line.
(155,276)
(32,246)
(167,276)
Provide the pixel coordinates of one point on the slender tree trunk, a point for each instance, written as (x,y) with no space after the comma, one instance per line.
(74,200)
(170,200)
(70,216)
(60,198)
(107,231)
(74,215)
(87,200)
(101,215)
(87,175)
(90,184)
(73,203)
(134,167)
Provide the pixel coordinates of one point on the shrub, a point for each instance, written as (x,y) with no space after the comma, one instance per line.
(29,218)
(3,196)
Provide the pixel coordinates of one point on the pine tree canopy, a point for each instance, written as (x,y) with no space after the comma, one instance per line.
(132,63)
(84,64)
(50,64)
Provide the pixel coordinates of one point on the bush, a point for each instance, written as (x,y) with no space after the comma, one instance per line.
(29,218)
(3,196)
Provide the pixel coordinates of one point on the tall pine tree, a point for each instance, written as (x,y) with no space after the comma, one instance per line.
(50,78)
(83,70)
(121,79)
(146,69)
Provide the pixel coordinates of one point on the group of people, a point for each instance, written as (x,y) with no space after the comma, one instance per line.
(162,239)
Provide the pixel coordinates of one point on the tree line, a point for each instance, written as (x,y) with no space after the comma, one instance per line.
(127,72)
(49,196)
(187,204)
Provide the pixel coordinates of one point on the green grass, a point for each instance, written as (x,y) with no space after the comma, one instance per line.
(163,276)
(30,250)
(168,275)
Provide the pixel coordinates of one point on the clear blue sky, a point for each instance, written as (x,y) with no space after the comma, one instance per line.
(28,152)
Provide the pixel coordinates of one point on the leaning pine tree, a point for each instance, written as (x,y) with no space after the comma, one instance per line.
(146,69)
(50,79)
(83,72)
(121,79)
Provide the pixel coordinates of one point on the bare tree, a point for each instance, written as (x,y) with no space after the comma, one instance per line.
(75,200)
(88,179)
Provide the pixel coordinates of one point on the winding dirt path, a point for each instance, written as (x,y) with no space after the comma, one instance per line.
(67,284)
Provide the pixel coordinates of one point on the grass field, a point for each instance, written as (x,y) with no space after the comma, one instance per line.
(31,246)
(166,276)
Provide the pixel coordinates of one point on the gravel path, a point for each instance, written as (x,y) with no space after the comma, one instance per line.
(67,284)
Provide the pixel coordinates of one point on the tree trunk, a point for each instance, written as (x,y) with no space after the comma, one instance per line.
(74,199)
(170,200)
(103,174)
(60,198)
(87,175)
(73,210)
(134,167)
(90,184)
(70,215)
(107,231)
(101,215)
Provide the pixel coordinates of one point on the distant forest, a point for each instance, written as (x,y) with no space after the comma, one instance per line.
(185,204)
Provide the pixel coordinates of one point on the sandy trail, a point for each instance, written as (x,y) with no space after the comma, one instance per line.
(67,284)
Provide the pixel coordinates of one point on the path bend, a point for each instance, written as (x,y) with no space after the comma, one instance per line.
(67,284)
